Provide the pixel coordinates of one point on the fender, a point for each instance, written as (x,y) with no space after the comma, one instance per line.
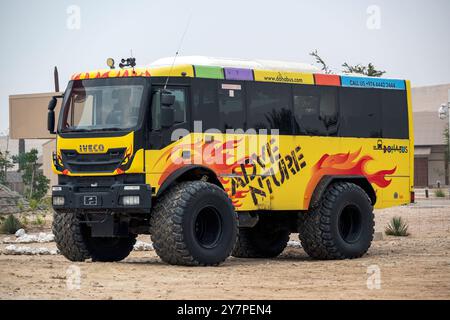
(189,172)
(323,184)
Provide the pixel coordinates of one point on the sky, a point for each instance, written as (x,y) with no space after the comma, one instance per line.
(410,39)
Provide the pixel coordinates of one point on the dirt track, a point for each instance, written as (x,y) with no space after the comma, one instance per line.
(417,267)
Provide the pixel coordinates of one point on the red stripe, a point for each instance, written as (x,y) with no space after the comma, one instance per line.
(327,80)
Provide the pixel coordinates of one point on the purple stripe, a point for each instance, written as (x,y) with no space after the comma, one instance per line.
(238,74)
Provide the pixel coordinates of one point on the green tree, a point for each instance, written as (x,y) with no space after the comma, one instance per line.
(36,184)
(5,164)
(321,62)
(368,70)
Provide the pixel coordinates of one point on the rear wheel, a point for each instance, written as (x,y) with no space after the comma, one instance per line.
(110,249)
(342,225)
(262,241)
(74,241)
(193,223)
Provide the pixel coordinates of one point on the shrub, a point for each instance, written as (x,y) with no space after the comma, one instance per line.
(439,193)
(20,206)
(39,220)
(397,227)
(34,204)
(46,203)
(24,221)
(11,225)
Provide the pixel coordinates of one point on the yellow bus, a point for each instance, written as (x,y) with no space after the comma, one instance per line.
(220,157)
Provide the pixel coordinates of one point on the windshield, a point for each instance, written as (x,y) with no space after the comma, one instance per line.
(102,105)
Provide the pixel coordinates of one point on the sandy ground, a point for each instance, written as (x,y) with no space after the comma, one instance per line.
(416,267)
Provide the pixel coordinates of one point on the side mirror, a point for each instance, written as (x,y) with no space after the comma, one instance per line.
(167,99)
(51,115)
(167,116)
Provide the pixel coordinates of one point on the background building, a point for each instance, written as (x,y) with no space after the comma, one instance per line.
(431,167)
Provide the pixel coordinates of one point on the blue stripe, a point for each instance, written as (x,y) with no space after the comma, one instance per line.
(378,83)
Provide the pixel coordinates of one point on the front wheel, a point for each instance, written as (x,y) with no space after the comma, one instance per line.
(194,223)
(342,225)
(74,241)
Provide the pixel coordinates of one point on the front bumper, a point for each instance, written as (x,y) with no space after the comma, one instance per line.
(108,199)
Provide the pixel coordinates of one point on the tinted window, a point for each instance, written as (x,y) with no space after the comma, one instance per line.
(231,106)
(360,113)
(270,107)
(395,114)
(205,107)
(180,104)
(315,110)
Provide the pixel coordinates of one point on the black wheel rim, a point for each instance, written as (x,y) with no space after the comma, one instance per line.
(350,223)
(208,227)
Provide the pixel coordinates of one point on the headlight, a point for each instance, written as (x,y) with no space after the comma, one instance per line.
(58,201)
(130,200)
(132,188)
(56,188)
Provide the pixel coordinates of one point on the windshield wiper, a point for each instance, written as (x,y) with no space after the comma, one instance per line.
(94,130)
(76,130)
(109,129)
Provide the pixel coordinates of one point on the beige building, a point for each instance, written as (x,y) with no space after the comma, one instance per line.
(28,120)
(431,167)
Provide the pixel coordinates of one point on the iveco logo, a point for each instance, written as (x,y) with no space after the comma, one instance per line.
(92,148)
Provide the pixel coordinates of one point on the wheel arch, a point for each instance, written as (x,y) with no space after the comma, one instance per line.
(360,181)
(190,173)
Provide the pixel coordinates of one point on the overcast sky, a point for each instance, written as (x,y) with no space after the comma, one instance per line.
(409,39)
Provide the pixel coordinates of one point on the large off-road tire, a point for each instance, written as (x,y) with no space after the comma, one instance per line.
(341,226)
(74,241)
(70,236)
(194,223)
(110,249)
(262,241)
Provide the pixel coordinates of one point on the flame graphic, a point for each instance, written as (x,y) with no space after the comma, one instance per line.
(125,161)
(111,74)
(214,155)
(346,164)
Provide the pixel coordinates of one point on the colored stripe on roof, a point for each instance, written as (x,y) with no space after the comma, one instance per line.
(209,72)
(361,82)
(327,80)
(238,74)
(283,77)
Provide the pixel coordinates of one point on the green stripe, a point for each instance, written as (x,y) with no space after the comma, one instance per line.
(209,72)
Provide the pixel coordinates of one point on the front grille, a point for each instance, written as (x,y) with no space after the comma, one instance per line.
(102,182)
(93,163)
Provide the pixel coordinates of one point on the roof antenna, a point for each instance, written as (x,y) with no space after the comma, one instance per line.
(131,56)
(178,50)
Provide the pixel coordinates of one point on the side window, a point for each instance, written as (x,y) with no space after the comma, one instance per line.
(156,111)
(205,109)
(231,106)
(269,107)
(360,113)
(395,114)
(315,110)
(179,107)
(180,104)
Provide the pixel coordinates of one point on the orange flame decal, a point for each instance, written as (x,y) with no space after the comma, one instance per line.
(215,155)
(346,164)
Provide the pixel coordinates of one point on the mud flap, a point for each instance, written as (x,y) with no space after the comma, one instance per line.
(105,226)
